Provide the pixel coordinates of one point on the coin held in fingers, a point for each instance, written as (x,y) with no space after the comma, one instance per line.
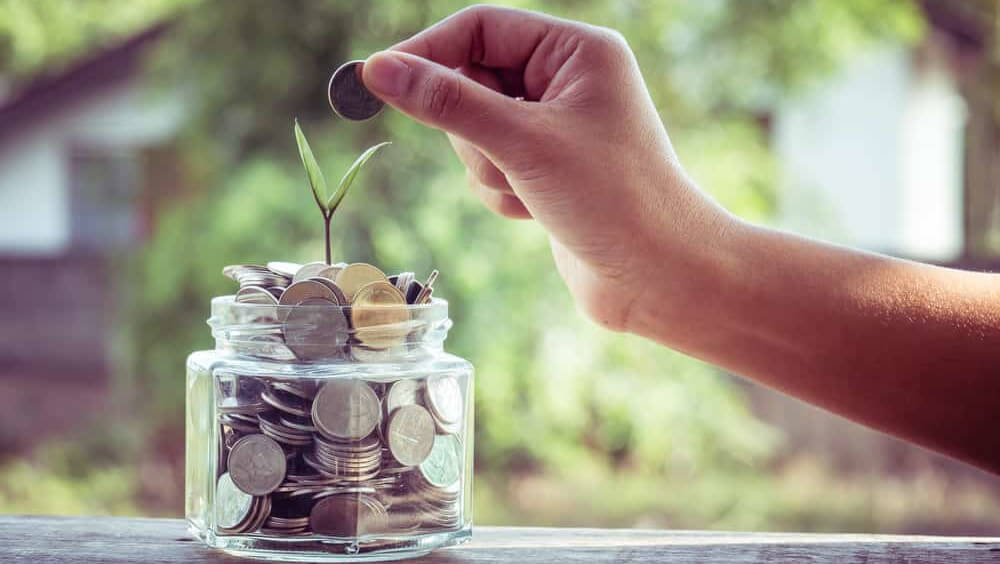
(348,95)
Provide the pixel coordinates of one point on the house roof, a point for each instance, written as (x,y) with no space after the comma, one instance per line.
(49,92)
(965,22)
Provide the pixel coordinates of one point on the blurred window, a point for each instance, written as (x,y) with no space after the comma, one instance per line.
(104,186)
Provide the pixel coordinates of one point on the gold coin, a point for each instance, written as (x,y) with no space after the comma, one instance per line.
(354,276)
(379,315)
(378,303)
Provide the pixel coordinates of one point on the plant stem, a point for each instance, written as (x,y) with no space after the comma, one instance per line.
(326,223)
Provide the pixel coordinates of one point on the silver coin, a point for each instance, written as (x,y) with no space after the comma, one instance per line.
(286,402)
(286,269)
(308,270)
(403,280)
(331,272)
(232,506)
(402,392)
(348,95)
(315,333)
(254,275)
(303,290)
(305,389)
(298,425)
(410,434)
(260,517)
(346,410)
(255,295)
(257,464)
(364,354)
(329,283)
(347,515)
(366,445)
(428,287)
(413,290)
(443,466)
(444,398)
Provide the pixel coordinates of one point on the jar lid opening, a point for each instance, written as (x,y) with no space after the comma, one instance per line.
(328,332)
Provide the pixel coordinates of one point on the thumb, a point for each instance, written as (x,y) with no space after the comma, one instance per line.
(445,99)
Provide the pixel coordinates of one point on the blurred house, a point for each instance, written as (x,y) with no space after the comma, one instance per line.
(884,154)
(81,149)
(874,157)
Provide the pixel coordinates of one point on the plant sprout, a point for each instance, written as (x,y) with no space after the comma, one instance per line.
(328,203)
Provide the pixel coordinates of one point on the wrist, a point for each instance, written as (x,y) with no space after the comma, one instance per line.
(694,261)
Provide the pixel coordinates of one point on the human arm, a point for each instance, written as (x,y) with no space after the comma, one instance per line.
(910,349)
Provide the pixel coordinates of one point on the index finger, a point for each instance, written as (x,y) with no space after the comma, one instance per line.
(489,36)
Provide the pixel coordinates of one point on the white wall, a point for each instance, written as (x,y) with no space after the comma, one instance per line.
(873,157)
(34,181)
(33,203)
(933,162)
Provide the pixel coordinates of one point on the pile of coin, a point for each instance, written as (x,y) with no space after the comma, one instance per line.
(376,324)
(339,456)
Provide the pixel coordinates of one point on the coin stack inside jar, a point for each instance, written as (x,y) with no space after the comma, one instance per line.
(375,325)
(343,456)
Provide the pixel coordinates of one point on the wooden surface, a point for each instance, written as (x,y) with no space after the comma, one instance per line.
(109,539)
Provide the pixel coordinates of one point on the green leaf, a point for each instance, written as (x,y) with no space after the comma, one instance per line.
(316,180)
(348,178)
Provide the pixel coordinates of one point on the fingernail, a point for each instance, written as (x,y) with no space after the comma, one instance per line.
(386,74)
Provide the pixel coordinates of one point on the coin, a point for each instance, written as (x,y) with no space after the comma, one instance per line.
(444,398)
(341,298)
(232,506)
(443,466)
(379,293)
(413,290)
(255,295)
(428,287)
(257,464)
(287,269)
(305,389)
(314,333)
(346,515)
(346,409)
(308,270)
(303,290)
(379,305)
(402,281)
(288,403)
(331,272)
(372,355)
(348,95)
(402,392)
(272,426)
(354,276)
(410,434)
(254,275)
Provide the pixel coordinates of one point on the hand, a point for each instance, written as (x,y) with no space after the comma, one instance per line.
(584,153)
(907,348)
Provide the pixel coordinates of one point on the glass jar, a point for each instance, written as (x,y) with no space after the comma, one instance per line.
(308,440)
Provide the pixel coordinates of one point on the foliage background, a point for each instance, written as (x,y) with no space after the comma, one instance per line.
(575,426)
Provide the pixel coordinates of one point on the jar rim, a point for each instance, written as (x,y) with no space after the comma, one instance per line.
(322,332)
(436,305)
